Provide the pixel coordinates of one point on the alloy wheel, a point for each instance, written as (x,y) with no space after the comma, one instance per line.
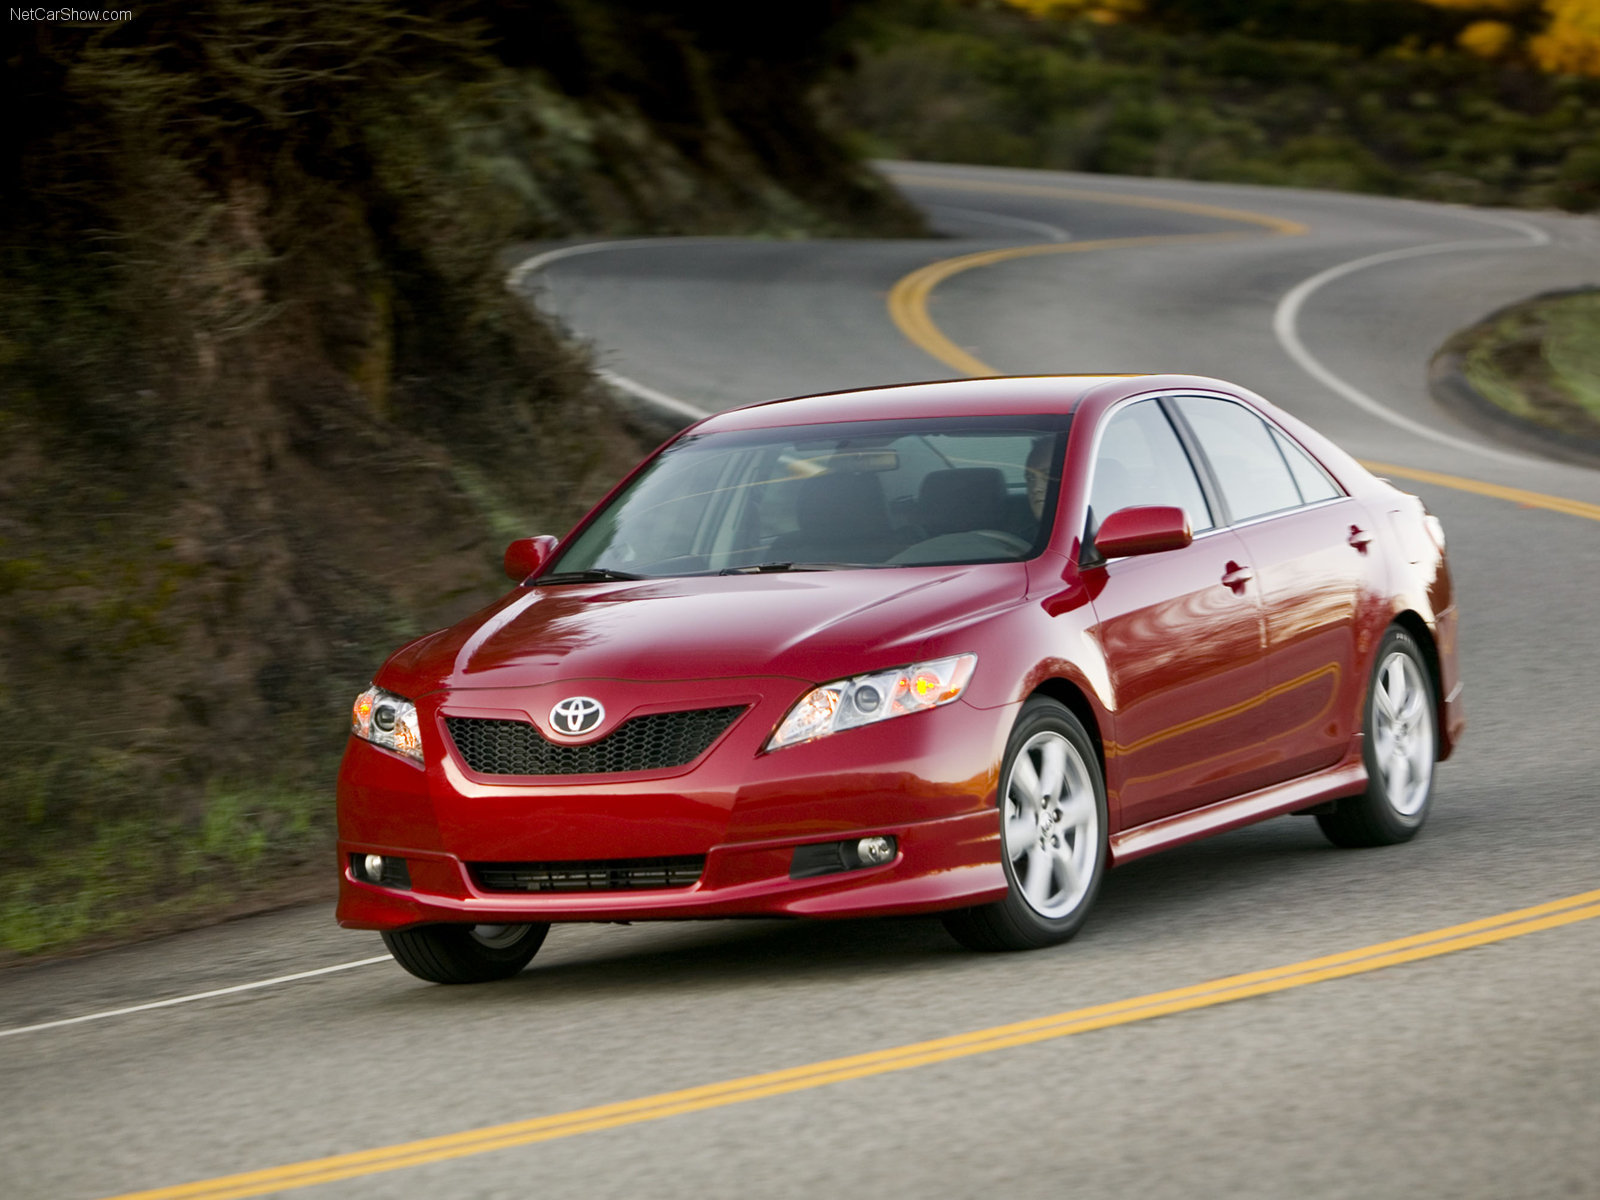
(1052,824)
(1402,733)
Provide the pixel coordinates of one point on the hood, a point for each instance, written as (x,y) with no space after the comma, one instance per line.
(813,625)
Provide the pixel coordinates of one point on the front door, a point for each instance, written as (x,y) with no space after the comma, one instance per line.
(1182,631)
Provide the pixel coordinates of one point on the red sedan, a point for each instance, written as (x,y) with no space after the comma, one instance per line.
(952,647)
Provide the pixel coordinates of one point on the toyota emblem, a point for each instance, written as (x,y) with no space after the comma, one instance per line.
(577,715)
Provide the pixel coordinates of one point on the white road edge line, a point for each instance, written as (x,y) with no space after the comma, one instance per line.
(514,278)
(518,275)
(672,404)
(1287,314)
(227,991)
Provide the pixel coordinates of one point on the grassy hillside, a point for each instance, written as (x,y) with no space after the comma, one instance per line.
(266,410)
(1539,361)
(1357,95)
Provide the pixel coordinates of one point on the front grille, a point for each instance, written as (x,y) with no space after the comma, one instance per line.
(649,743)
(606,875)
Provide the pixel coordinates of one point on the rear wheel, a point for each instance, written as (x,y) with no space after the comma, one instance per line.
(1401,747)
(465,953)
(1052,804)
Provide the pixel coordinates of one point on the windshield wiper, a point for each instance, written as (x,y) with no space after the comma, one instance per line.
(772,568)
(592,575)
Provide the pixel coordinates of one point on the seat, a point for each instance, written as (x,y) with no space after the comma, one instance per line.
(961,499)
(841,518)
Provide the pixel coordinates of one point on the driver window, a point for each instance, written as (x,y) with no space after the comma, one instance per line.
(1141,461)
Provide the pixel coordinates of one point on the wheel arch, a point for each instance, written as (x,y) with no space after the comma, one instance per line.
(1413,623)
(1076,701)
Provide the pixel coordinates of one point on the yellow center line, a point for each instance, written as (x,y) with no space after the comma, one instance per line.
(1120,199)
(1566,911)
(909,298)
(1560,504)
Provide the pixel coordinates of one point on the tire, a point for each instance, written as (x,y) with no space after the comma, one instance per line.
(1400,745)
(465,953)
(1052,806)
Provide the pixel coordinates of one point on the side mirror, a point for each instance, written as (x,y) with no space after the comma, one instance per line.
(527,555)
(1148,529)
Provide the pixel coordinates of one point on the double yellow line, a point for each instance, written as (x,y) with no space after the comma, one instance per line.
(1527,499)
(908,300)
(1121,199)
(1582,907)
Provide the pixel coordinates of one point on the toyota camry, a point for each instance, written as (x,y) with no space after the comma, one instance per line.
(952,648)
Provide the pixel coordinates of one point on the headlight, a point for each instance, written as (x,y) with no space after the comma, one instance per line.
(877,697)
(387,720)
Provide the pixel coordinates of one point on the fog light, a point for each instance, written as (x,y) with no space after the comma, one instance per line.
(873,851)
(380,869)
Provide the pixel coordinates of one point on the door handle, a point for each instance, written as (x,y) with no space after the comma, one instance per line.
(1359,538)
(1235,577)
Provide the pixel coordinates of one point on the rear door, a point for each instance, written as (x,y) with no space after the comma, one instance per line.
(1311,547)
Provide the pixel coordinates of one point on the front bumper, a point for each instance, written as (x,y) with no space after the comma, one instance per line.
(927,779)
(940,864)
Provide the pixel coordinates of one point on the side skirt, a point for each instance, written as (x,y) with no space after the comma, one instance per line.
(1345,779)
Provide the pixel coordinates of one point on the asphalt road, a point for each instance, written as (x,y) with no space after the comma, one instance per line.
(1472,1073)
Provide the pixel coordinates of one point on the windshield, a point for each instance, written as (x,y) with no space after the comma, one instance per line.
(860,494)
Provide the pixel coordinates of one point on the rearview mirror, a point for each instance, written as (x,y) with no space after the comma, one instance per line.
(527,555)
(1148,529)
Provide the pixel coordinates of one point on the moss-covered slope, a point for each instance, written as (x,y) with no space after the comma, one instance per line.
(265,408)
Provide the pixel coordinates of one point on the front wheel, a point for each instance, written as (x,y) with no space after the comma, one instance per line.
(1401,745)
(465,953)
(1052,803)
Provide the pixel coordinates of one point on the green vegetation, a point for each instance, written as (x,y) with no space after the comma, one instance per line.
(266,410)
(250,845)
(1345,95)
(1540,361)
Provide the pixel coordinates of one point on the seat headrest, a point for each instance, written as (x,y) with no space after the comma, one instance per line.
(844,504)
(962,498)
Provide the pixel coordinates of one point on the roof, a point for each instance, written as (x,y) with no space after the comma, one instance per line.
(1019,395)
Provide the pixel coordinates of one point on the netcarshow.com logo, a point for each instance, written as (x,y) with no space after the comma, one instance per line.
(74,16)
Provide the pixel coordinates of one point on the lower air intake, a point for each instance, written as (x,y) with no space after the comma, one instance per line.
(609,875)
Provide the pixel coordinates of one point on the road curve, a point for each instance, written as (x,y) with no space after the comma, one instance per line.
(1257,1015)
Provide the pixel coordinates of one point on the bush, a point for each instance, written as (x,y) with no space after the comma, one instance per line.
(1240,92)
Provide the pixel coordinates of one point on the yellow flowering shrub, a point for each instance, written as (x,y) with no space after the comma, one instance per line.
(1570,43)
(1487,39)
(1505,6)
(1105,11)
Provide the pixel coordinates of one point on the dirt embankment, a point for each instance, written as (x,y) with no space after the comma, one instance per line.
(265,409)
